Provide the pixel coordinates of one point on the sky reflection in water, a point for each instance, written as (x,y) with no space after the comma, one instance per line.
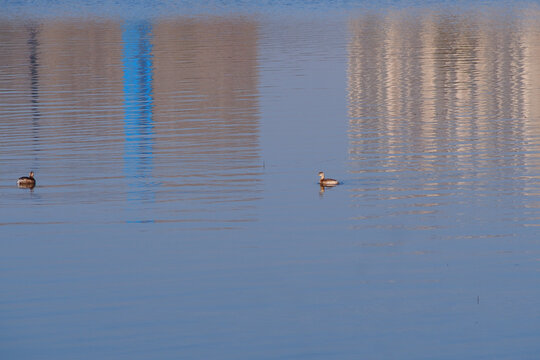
(177,211)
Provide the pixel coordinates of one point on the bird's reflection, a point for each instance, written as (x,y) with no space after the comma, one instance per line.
(27,186)
(323,188)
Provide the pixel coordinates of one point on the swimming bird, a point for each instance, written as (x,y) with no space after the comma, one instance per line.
(27,181)
(327,182)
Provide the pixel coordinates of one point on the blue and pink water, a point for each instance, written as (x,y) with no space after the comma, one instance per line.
(177,213)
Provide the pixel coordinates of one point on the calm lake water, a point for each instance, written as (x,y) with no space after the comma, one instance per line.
(177,213)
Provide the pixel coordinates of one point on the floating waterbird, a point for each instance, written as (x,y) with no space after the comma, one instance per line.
(27,181)
(327,182)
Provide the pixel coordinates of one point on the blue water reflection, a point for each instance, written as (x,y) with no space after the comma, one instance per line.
(138,105)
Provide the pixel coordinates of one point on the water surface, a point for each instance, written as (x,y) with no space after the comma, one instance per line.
(177,212)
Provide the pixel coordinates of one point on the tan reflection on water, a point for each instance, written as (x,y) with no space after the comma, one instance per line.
(206,110)
(206,100)
(64,115)
(442,108)
(63,96)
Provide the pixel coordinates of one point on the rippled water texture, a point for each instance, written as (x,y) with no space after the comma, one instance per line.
(177,213)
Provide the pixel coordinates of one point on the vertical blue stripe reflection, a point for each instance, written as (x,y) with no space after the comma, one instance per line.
(138,106)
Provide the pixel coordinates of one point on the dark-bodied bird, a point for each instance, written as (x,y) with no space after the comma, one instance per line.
(27,181)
